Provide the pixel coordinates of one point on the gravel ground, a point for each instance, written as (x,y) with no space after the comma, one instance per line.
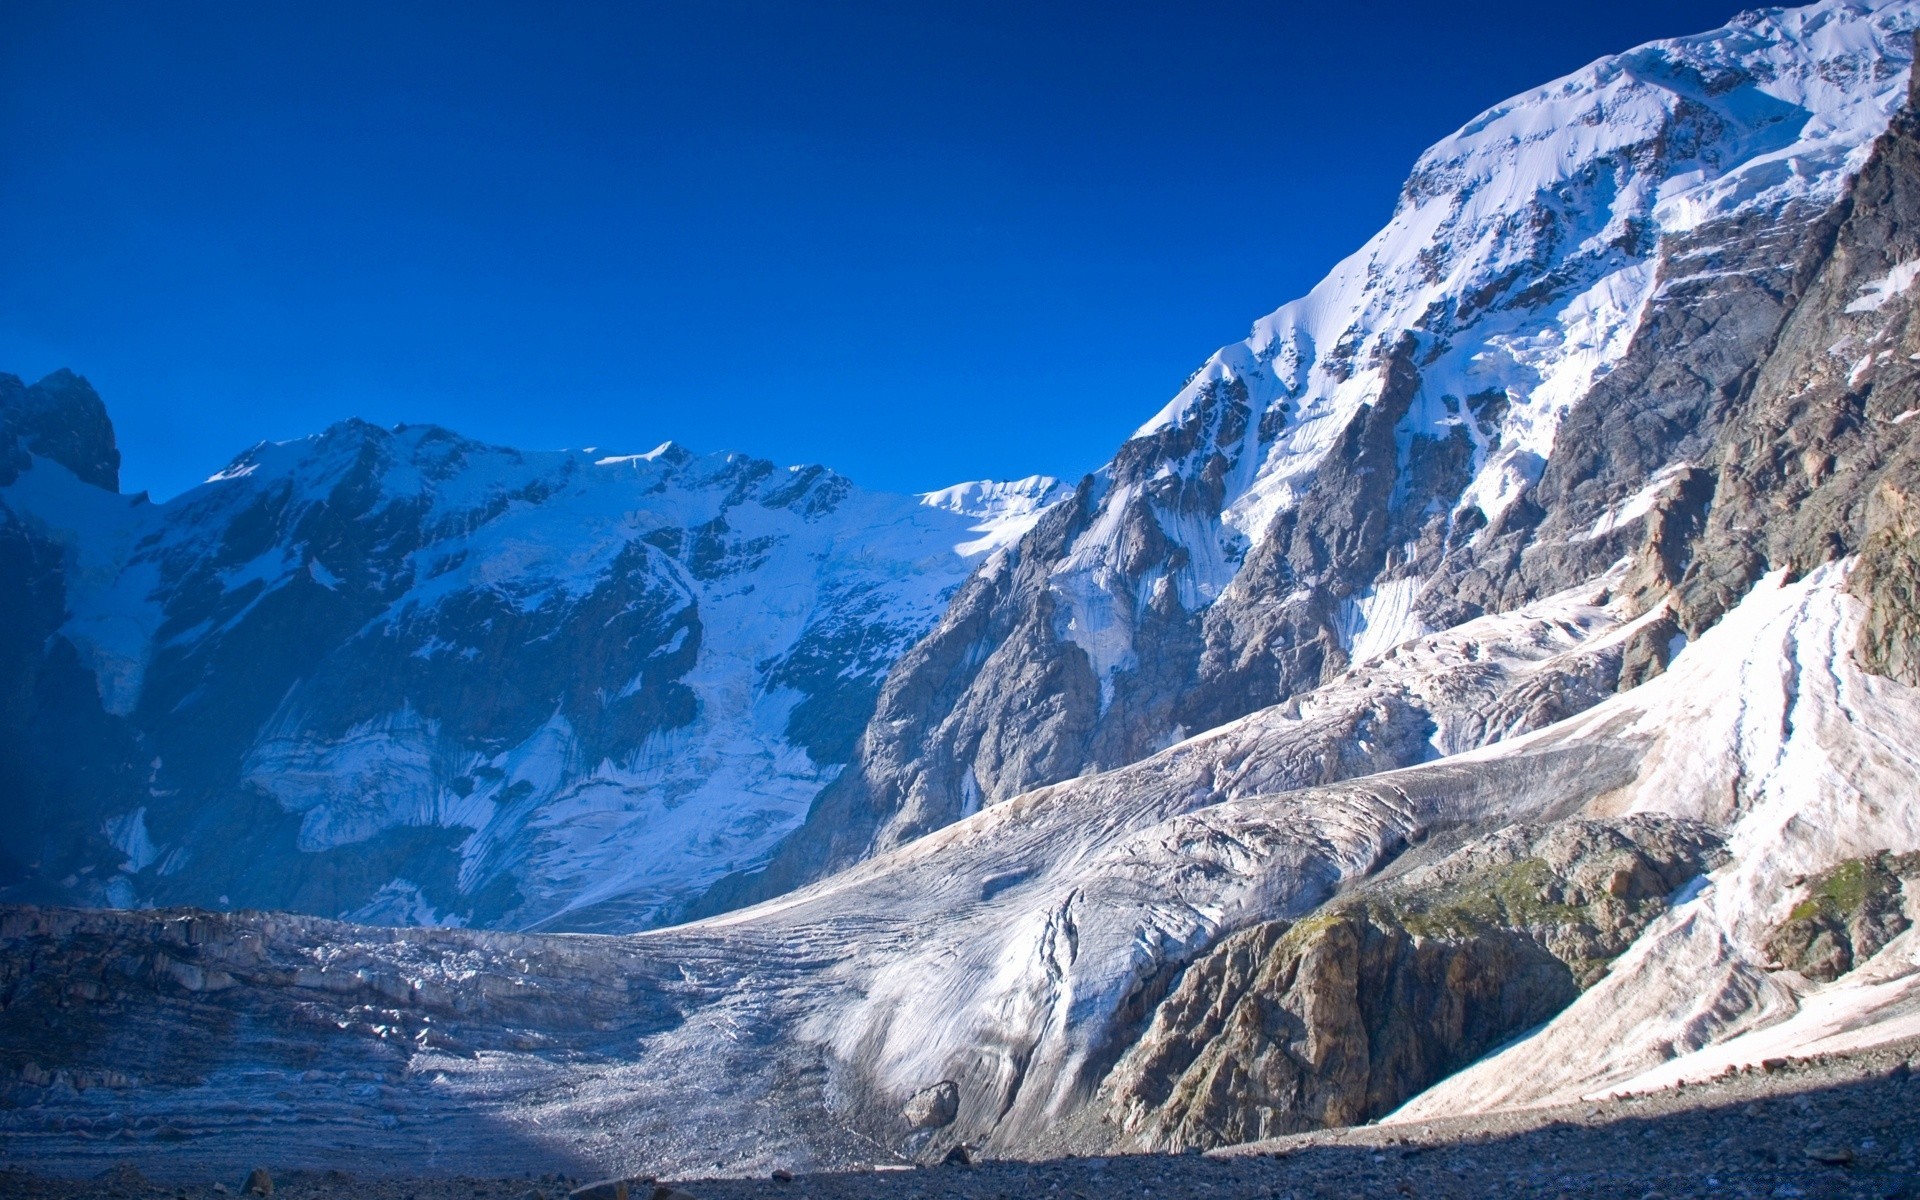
(1841,1126)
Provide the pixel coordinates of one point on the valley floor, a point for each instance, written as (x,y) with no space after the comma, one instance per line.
(1838,1126)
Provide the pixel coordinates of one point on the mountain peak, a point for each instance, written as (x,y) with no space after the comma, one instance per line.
(60,418)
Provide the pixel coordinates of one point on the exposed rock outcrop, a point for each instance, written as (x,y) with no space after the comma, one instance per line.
(1849,915)
(1341,1016)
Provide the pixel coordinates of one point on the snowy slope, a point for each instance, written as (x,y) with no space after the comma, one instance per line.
(1807,762)
(594,682)
(1009,953)
(1525,250)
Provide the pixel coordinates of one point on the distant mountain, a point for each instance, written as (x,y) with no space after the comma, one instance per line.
(402,676)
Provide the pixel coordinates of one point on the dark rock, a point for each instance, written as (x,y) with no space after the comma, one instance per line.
(62,419)
(1833,1156)
(259,1183)
(1888,578)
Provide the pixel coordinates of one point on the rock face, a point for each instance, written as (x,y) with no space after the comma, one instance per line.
(1340,1017)
(1569,347)
(60,419)
(405,676)
(1850,914)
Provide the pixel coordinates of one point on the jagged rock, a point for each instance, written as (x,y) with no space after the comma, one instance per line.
(60,418)
(1849,914)
(259,1183)
(1888,578)
(1339,1017)
(611,1189)
(934,1107)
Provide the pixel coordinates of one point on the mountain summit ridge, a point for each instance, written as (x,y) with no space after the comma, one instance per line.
(495,674)
(1499,396)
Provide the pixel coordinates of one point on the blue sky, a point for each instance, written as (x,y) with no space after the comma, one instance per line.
(917,242)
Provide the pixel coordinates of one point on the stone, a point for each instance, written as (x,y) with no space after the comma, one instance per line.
(935,1107)
(1833,1156)
(782,1175)
(959,1156)
(605,1189)
(259,1183)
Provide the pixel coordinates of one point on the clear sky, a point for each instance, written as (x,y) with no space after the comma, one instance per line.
(919,242)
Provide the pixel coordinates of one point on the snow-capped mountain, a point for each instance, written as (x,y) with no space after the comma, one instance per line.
(402,676)
(1497,681)
(1514,385)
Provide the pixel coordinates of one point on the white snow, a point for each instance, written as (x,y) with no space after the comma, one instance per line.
(1379,619)
(1876,292)
(1005,510)
(128,834)
(1637,505)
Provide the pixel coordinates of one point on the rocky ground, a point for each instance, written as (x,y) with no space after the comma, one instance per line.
(1840,1126)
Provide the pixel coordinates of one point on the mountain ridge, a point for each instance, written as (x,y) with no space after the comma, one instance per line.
(369,606)
(1538,351)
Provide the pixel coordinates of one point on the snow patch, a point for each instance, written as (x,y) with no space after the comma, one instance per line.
(1876,292)
(128,834)
(1637,505)
(1379,618)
